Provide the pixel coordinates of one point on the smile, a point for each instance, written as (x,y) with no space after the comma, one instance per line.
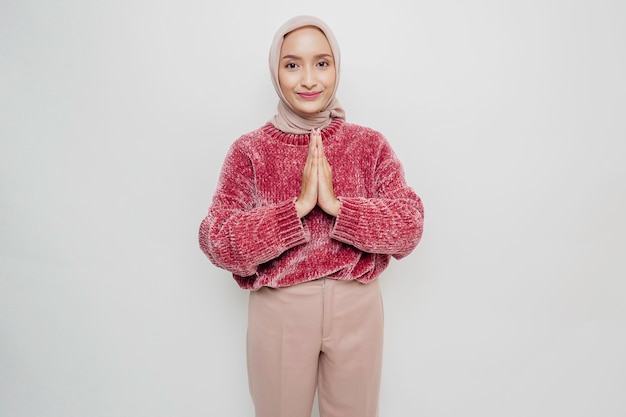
(309,96)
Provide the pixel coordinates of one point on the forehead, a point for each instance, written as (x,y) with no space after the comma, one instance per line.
(305,39)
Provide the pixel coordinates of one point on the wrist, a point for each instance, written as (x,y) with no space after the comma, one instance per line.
(302,209)
(334,208)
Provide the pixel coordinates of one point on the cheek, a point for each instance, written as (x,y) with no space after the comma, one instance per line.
(329,81)
(284,82)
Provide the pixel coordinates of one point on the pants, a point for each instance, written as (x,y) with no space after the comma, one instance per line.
(325,334)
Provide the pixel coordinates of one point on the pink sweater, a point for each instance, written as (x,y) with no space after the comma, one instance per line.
(252,228)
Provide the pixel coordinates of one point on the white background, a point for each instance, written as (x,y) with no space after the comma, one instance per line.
(510,120)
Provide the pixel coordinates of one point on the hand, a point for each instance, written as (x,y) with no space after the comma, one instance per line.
(317,181)
(325,192)
(308,190)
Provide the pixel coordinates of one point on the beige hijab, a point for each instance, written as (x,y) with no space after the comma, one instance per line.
(287,119)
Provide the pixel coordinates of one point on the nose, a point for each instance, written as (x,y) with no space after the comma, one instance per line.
(308,78)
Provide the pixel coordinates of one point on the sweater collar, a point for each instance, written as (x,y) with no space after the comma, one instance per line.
(301,139)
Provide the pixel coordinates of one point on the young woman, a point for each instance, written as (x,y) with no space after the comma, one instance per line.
(307,213)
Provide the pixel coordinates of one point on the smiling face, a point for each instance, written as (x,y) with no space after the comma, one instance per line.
(306,70)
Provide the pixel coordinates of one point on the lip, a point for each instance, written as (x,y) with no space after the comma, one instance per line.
(309,96)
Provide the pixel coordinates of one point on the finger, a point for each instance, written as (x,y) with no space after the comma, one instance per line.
(313,139)
(319,142)
(308,188)
(325,170)
(326,198)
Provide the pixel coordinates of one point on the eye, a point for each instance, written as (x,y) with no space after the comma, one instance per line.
(324,64)
(291,65)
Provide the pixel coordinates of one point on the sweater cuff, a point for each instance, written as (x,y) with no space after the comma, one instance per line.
(347,221)
(290,230)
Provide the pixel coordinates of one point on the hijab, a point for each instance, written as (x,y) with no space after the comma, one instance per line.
(287,119)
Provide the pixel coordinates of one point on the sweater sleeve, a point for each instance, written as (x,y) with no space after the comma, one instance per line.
(389,223)
(238,234)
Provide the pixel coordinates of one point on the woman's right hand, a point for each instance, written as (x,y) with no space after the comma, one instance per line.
(308,190)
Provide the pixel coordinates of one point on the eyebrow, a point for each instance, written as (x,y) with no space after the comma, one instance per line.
(290,56)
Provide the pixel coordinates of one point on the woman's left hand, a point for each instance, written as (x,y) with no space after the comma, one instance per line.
(326,199)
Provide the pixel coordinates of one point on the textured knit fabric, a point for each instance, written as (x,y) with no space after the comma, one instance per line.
(252,228)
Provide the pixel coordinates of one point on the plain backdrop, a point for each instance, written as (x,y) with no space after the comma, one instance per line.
(509,118)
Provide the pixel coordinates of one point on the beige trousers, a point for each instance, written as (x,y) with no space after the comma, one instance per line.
(325,334)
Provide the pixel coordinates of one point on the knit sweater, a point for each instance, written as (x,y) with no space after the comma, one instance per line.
(252,228)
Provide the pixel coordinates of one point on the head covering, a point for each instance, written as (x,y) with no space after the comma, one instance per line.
(287,119)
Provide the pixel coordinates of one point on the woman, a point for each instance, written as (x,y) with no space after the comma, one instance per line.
(307,212)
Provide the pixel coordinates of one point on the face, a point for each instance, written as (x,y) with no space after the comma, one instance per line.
(306,70)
